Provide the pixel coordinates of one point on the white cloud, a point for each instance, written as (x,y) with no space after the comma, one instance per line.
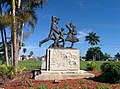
(82,34)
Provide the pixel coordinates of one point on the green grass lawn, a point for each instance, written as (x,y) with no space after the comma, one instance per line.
(30,64)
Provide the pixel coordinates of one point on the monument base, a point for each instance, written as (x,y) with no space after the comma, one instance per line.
(62,75)
(62,64)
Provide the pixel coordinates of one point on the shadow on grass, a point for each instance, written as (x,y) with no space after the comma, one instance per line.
(99,78)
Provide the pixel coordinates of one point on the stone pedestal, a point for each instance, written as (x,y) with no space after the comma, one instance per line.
(62,64)
(63,59)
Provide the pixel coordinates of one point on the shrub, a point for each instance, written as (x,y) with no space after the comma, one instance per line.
(111,72)
(103,86)
(91,66)
(7,72)
(10,72)
(3,71)
(20,69)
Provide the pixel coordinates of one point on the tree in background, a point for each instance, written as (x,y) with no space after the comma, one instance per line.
(117,56)
(89,54)
(92,40)
(31,53)
(107,56)
(98,54)
(24,50)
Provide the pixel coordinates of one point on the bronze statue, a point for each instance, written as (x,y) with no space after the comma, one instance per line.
(71,34)
(58,36)
(53,32)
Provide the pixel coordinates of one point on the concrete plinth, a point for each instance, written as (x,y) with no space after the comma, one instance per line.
(62,64)
(62,75)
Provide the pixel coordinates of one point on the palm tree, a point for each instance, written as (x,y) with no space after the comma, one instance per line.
(107,56)
(92,40)
(23,12)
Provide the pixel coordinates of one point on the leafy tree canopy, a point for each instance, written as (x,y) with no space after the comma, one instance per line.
(98,54)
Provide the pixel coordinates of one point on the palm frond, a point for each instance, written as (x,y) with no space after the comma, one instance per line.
(92,38)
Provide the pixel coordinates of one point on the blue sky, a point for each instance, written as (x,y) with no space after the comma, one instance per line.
(100,16)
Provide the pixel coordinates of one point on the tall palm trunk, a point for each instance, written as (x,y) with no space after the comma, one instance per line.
(6,49)
(20,40)
(4,41)
(18,46)
(93,53)
(11,50)
(15,60)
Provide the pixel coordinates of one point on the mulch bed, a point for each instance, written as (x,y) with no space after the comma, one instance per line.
(25,81)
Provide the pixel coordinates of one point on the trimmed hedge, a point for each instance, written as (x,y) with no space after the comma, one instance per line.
(111,72)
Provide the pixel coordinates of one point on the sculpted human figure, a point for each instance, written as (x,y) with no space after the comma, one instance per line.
(71,34)
(54,32)
(61,37)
